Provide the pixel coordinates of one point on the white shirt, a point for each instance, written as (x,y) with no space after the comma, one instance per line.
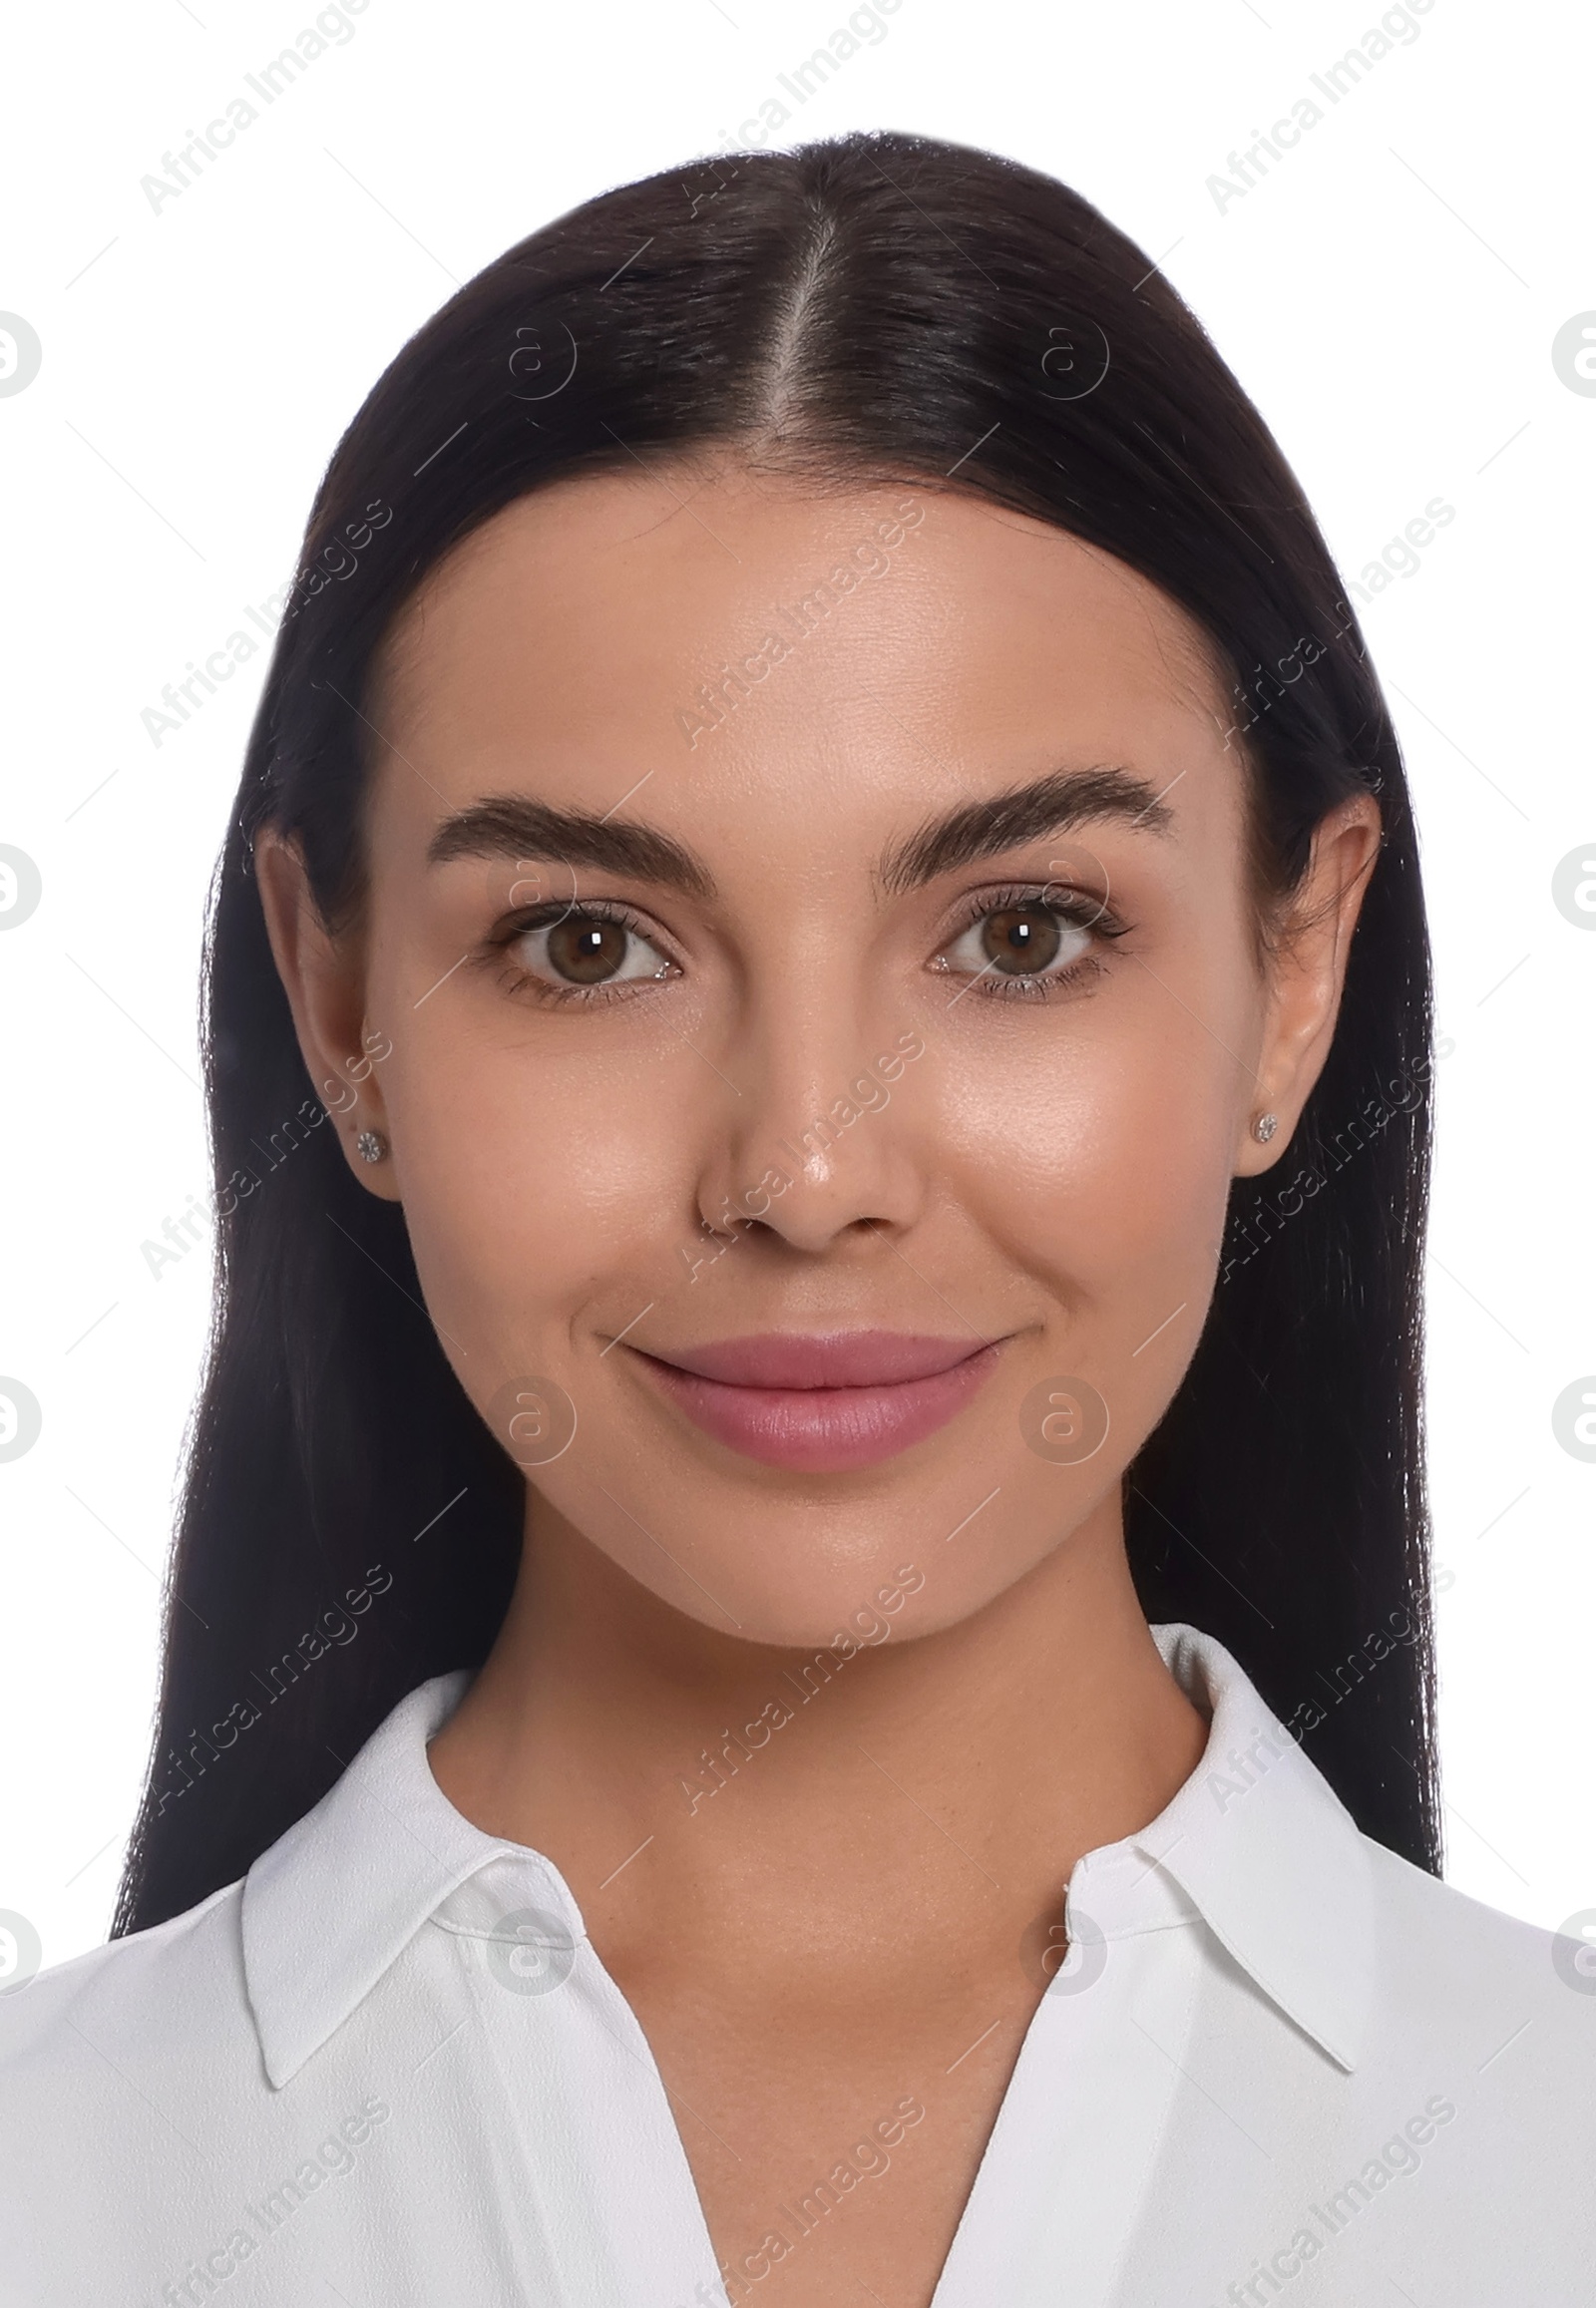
(1279,2064)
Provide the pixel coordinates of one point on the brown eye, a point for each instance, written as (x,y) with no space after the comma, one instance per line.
(1021,938)
(1024,941)
(587,948)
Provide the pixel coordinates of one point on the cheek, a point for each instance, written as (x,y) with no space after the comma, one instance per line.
(1100,1158)
(533,1184)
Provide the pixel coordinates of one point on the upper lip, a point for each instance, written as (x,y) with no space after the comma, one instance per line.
(799,1360)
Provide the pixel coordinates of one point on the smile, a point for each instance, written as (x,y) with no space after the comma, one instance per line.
(823,1404)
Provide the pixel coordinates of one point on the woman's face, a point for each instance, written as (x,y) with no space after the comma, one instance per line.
(814,940)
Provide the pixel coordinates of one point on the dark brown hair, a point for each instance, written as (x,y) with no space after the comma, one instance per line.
(883,306)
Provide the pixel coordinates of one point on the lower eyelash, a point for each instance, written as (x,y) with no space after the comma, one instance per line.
(547,989)
(998,987)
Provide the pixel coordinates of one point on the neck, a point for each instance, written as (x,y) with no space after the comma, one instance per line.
(700,1791)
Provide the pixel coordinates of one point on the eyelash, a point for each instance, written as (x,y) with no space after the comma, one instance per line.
(514,979)
(1072,905)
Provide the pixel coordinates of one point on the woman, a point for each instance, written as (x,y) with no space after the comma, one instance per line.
(799,1665)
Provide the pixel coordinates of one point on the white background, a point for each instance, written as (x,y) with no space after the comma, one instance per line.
(1389,295)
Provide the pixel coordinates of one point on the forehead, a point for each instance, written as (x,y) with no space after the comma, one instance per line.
(762,649)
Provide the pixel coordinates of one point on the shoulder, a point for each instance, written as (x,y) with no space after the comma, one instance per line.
(1451,1926)
(1516,2000)
(136,2119)
(167,1997)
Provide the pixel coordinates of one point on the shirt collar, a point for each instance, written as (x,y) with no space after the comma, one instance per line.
(1258,1845)
(333,1902)
(1254,1842)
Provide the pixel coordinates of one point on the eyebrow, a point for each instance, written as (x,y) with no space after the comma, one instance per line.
(516,826)
(1054,804)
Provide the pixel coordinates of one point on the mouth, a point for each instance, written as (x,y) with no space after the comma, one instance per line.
(822,1404)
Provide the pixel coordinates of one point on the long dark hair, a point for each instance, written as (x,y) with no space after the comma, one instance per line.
(879,306)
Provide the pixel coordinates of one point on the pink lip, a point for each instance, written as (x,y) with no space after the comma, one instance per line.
(822,1404)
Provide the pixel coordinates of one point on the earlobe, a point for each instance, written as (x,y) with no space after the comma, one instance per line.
(1263,1129)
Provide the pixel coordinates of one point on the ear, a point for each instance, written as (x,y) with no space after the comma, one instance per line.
(324,976)
(1305,974)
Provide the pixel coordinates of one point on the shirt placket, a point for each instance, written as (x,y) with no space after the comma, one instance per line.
(599,2191)
(1068,2169)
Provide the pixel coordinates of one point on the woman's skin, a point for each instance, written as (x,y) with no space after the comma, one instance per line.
(851,1911)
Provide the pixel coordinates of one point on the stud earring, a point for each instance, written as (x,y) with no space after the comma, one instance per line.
(371,1146)
(1264,1128)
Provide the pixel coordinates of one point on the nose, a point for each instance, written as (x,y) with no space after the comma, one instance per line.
(824,1141)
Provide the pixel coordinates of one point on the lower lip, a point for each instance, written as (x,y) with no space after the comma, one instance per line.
(823,1429)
